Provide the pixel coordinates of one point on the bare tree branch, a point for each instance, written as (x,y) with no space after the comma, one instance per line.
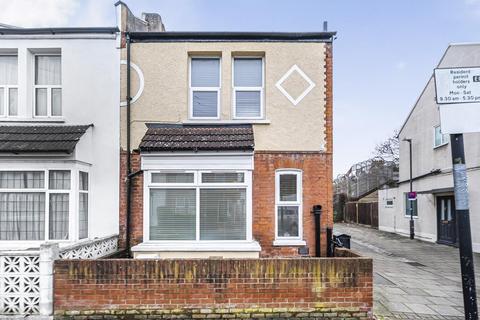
(389,149)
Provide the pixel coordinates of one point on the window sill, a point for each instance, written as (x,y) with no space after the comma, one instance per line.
(194,246)
(440,145)
(33,120)
(278,243)
(239,121)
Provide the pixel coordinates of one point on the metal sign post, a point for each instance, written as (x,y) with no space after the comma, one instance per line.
(463,221)
(458,95)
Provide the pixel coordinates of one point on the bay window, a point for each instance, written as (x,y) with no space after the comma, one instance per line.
(8,85)
(288,205)
(205,88)
(199,206)
(37,205)
(48,85)
(248,87)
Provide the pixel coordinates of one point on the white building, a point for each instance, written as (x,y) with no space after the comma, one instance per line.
(59,134)
(59,152)
(434,212)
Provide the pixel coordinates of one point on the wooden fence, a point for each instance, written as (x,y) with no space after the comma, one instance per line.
(362,213)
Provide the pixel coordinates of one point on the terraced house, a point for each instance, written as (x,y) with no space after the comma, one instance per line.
(58,153)
(226,142)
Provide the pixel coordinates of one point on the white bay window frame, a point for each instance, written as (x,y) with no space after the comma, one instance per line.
(73,206)
(241,88)
(192,89)
(198,186)
(49,88)
(293,240)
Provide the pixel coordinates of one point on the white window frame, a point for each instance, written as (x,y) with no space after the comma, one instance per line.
(197,185)
(235,89)
(48,87)
(6,93)
(444,141)
(289,241)
(88,203)
(405,201)
(73,228)
(192,89)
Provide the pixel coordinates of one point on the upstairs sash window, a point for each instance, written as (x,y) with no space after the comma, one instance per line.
(248,87)
(8,85)
(205,88)
(48,86)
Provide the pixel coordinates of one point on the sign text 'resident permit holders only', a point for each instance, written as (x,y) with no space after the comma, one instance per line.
(457,85)
(458,99)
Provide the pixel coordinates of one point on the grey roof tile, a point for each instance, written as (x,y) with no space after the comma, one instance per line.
(32,138)
(195,138)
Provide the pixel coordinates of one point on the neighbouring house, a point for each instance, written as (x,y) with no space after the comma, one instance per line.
(226,143)
(434,209)
(59,153)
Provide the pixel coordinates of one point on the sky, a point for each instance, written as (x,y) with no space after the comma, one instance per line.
(384,53)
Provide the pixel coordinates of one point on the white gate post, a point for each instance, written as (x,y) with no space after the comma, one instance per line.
(49,252)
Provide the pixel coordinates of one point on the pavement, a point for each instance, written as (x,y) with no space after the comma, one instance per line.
(413,279)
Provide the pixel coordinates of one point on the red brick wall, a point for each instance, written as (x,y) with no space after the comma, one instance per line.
(136,218)
(288,288)
(317,189)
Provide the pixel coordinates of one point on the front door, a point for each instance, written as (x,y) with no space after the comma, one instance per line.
(447,226)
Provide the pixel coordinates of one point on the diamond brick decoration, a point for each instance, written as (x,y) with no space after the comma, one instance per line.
(293,69)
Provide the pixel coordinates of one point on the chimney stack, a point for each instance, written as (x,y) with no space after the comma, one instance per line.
(154,22)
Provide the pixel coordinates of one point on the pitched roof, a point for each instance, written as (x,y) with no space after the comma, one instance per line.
(19,139)
(195,138)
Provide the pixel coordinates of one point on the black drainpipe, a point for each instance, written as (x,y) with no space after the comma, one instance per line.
(129,169)
(317,211)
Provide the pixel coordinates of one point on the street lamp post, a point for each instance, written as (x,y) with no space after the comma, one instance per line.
(410,201)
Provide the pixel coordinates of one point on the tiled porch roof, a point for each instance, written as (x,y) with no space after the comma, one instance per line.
(196,138)
(20,139)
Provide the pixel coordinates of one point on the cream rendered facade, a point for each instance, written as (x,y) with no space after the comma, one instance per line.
(427,158)
(291,135)
(285,127)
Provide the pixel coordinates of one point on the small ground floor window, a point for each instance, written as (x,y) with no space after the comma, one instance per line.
(198,205)
(288,205)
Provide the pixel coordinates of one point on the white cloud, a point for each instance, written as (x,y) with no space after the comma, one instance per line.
(37,13)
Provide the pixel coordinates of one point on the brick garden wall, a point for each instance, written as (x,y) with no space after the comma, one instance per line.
(201,288)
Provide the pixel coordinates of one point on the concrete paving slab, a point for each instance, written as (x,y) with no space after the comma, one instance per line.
(414,279)
(420,308)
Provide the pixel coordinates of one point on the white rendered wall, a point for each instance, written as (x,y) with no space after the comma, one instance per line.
(419,127)
(90,95)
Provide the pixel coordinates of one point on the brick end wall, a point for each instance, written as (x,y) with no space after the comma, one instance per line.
(317,189)
(227,288)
